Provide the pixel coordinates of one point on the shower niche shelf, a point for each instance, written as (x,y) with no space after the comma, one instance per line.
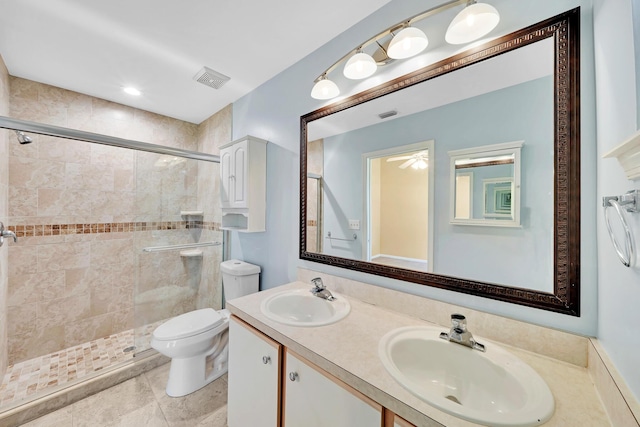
(192,213)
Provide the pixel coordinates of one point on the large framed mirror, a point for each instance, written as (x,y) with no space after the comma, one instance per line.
(520,87)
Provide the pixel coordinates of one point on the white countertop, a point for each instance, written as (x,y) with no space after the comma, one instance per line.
(348,350)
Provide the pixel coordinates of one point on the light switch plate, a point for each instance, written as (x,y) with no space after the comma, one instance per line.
(354,224)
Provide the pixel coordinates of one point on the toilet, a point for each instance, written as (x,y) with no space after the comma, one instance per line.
(197,341)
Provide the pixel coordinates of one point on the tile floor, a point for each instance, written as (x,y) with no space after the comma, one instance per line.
(142,402)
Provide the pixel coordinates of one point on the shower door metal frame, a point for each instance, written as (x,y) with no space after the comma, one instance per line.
(78,135)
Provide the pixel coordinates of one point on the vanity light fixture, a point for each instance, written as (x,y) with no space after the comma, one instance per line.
(359,66)
(473,22)
(324,89)
(409,42)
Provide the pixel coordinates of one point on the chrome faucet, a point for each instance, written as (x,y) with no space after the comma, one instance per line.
(459,333)
(320,290)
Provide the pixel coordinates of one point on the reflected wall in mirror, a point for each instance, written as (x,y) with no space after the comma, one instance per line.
(520,87)
(485,186)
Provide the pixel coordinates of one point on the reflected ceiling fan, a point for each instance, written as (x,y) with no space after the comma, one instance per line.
(416,161)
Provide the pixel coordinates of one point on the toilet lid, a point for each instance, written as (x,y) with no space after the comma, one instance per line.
(188,324)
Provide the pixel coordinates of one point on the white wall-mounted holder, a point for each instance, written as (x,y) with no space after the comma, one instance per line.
(628,154)
(628,202)
(191,253)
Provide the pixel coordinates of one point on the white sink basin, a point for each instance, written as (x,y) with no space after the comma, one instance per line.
(494,388)
(301,308)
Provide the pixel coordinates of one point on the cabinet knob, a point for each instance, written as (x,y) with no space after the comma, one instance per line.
(293,376)
(266,359)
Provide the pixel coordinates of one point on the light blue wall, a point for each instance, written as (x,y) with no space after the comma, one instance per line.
(492,118)
(618,286)
(273,112)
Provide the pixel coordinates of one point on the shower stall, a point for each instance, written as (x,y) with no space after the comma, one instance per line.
(114,236)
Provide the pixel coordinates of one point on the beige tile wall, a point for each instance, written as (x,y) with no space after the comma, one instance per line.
(73,287)
(212,133)
(4,211)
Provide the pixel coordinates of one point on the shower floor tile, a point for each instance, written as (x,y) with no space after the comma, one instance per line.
(25,379)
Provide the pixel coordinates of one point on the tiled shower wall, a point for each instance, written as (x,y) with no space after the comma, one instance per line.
(4,211)
(212,133)
(84,211)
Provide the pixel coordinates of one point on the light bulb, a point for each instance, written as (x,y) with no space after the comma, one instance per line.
(132,91)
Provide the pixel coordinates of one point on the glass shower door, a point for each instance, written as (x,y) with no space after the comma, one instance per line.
(178,241)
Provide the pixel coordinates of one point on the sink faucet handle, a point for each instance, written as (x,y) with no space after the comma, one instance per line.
(317,282)
(458,321)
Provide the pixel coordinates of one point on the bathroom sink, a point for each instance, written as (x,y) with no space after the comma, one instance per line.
(300,308)
(493,388)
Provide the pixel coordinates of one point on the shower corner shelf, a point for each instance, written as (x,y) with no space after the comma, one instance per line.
(628,154)
(192,213)
(191,253)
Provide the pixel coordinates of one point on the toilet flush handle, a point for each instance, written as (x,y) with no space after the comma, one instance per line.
(266,359)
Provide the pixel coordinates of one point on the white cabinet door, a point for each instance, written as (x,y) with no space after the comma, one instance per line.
(233,175)
(312,398)
(239,181)
(226,174)
(254,373)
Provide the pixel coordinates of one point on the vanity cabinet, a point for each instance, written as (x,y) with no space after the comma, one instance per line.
(243,173)
(254,377)
(287,391)
(401,422)
(314,398)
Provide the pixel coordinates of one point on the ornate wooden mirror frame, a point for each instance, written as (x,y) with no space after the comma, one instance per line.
(564,29)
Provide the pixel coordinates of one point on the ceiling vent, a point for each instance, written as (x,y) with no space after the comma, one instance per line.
(211,78)
(388,114)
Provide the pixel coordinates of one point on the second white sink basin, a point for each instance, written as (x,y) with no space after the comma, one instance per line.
(494,388)
(301,308)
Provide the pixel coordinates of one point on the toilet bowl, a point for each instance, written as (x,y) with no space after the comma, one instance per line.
(197,341)
(197,344)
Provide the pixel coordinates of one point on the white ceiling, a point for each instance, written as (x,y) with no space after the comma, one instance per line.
(97,47)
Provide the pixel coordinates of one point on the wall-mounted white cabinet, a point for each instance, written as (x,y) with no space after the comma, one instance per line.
(243,176)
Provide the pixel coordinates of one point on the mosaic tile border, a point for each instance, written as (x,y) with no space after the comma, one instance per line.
(40,230)
(25,379)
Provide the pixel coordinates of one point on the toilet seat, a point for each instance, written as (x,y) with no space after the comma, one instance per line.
(188,324)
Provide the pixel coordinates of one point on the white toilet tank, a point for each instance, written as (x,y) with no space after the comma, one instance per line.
(239,278)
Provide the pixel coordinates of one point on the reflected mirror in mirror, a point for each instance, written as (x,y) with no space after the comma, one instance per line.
(485,186)
(517,88)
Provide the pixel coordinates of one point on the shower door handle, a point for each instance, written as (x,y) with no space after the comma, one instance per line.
(6,233)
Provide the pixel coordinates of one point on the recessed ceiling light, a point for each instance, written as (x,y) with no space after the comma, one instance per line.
(132,91)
